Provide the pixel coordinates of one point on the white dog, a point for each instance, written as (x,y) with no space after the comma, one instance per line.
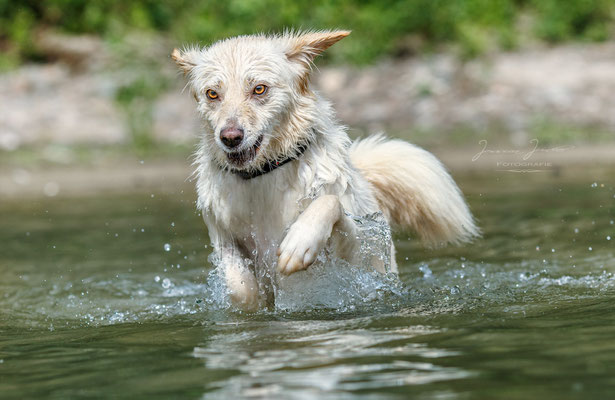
(278,177)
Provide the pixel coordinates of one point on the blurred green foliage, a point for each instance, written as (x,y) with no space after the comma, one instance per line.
(381,27)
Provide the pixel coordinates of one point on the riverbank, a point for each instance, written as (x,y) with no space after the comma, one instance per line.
(559,95)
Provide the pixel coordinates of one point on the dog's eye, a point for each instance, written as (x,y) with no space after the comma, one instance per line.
(211,94)
(259,89)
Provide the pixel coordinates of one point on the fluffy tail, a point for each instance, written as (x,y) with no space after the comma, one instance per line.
(414,190)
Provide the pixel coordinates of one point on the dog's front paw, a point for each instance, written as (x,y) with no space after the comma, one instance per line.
(301,245)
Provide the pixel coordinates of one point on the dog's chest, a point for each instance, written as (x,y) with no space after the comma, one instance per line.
(257,214)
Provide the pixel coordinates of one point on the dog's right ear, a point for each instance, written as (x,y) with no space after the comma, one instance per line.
(185,60)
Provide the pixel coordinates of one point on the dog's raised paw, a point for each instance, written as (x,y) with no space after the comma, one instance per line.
(301,246)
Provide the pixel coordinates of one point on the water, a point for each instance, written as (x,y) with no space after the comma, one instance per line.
(107,297)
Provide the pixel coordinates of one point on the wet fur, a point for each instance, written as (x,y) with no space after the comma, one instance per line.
(280,221)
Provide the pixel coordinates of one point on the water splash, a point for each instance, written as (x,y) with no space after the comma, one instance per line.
(335,284)
(330,283)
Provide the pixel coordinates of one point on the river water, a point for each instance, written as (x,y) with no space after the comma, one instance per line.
(108,297)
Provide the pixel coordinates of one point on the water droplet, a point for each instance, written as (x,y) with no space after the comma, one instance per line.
(51,189)
(590,249)
(142,229)
(166,283)
(455,290)
(156,278)
(142,162)
(426,271)
(172,223)
(537,248)
(608,238)
(552,250)
(167,247)
(595,184)
(576,230)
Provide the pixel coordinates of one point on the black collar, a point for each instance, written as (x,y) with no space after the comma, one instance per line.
(269,165)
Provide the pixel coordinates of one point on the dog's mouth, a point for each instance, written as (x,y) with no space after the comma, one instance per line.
(240,158)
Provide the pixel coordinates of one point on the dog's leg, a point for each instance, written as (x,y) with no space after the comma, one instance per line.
(309,233)
(239,278)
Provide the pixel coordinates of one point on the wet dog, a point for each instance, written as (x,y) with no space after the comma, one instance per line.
(278,179)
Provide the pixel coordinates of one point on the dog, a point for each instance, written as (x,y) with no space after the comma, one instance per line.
(279,180)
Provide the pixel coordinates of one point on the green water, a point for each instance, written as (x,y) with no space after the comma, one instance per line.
(92,305)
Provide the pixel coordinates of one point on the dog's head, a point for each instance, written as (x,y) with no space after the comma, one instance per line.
(253,93)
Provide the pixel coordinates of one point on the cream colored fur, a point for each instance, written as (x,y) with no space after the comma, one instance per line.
(414,190)
(279,222)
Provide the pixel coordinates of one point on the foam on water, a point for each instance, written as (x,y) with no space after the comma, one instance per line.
(441,285)
(438,285)
(460,286)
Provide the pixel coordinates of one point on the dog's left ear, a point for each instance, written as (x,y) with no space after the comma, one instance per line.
(185,60)
(304,48)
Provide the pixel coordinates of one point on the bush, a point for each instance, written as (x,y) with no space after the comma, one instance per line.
(381,27)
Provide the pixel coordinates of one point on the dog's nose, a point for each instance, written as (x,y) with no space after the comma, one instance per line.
(231,136)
